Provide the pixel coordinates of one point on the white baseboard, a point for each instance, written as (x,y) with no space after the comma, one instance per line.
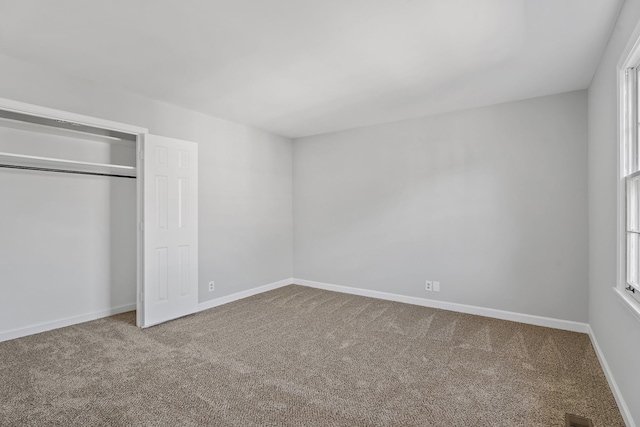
(74,320)
(622,405)
(205,305)
(47,326)
(462,308)
(548,322)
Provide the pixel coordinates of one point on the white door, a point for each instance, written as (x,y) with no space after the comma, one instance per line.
(170,229)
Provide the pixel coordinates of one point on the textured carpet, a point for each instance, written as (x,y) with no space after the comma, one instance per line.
(299,356)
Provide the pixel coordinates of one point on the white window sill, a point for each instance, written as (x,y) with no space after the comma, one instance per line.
(632,305)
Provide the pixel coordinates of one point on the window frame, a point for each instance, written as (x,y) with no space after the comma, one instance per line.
(628,74)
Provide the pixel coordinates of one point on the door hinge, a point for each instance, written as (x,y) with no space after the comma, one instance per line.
(141,296)
(141,155)
(141,227)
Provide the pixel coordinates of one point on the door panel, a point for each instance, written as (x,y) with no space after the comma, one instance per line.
(170,232)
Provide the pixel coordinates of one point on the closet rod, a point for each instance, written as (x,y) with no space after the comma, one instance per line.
(32,168)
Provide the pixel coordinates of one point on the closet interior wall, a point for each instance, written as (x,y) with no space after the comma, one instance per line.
(69,240)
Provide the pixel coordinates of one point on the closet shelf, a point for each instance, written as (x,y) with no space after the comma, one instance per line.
(55,162)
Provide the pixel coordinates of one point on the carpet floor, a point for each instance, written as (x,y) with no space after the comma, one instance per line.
(298,356)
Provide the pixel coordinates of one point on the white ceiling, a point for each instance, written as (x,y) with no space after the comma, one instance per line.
(303,67)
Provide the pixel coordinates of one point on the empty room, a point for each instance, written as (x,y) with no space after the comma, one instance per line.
(320,213)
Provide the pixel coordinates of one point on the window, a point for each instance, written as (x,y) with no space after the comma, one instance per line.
(629,191)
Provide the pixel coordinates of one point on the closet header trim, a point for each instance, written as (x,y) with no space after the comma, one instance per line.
(64,124)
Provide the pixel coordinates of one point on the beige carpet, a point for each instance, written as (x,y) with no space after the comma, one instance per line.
(298,356)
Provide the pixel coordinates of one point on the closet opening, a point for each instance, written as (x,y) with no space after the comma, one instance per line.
(69,219)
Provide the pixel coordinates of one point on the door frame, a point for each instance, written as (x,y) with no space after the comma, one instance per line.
(138,132)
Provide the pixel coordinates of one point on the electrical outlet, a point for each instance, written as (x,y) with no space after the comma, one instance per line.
(428,285)
(211,286)
(436,286)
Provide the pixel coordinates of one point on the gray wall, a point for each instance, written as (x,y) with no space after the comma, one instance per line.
(491,202)
(245,198)
(615,328)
